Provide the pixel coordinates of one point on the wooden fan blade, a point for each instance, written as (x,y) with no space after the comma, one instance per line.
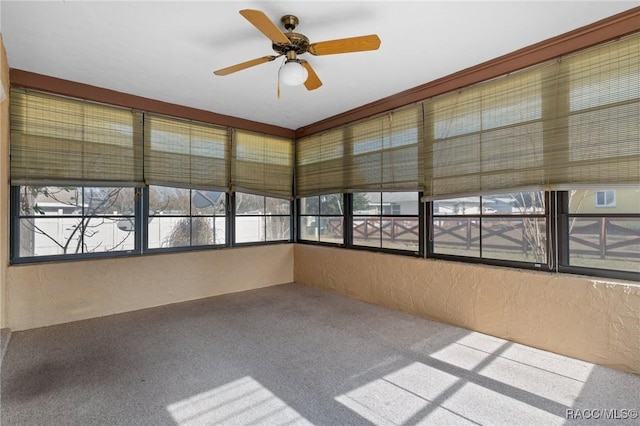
(313,82)
(264,24)
(244,65)
(345,45)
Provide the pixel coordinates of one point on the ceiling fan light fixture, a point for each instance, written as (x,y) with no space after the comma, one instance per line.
(292,73)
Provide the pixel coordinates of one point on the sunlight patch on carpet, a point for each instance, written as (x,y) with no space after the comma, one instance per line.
(243,401)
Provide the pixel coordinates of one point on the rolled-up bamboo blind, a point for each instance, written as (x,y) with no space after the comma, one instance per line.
(186,154)
(376,154)
(573,121)
(262,164)
(57,139)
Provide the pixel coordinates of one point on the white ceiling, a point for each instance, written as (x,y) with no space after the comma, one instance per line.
(168,50)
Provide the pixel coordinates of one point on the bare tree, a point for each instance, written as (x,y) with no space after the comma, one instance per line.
(194,231)
(533,228)
(198,206)
(88,208)
(277,222)
(573,194)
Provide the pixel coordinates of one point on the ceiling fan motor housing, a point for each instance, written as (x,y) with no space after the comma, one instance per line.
(298,43)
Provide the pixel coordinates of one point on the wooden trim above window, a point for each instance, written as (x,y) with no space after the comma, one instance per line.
(610,28)
(31,80)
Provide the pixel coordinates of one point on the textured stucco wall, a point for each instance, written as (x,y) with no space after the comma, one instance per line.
(4,181)
(53,293)
(586,318)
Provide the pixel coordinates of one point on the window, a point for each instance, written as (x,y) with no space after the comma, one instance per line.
(74,220)
(260,218)
(185,217)
(455,226)
(388,220)
(509,227)
(602,240)
(605,198)
(322,218)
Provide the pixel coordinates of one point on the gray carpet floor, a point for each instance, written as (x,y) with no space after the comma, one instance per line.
(290,355)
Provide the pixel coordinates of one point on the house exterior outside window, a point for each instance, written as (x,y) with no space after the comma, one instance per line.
(605,198)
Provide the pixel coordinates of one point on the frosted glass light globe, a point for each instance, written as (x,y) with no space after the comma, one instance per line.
(292,73)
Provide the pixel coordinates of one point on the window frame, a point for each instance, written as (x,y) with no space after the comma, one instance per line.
(232,208)
(419,216)
(547,265)
(15,233)
(557,216)
(563,241)
(145,206)
(318,216)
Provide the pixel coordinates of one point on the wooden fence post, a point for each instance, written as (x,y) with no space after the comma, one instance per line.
(603,237)
(393,229)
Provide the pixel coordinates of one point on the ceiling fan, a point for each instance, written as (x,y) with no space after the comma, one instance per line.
(296,71)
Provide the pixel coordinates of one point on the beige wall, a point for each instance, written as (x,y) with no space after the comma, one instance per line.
(590,319)
(52,293)
(4,182)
